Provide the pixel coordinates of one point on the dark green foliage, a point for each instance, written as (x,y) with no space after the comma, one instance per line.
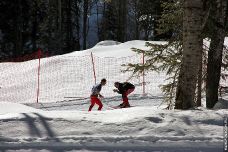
(168,57)
(113,24)
(165,57)
(14,26)
(29,25)
(149,12)
(109,22)
(171,20)
(59,31)
(145,15)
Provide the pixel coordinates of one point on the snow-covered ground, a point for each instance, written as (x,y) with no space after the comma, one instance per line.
(64,124)
(67,126)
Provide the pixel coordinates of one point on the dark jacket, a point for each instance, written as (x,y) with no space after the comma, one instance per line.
(123,87)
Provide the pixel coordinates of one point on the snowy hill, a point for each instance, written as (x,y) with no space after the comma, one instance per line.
(71,75)
(61,122)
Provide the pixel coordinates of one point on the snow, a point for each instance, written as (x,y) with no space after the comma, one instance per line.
(64,124)
(107,43)
(9,107)
(140,127)
(63,76)
(114,49)
(221,104)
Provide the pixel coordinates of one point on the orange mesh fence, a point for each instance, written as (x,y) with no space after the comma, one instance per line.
(56,78)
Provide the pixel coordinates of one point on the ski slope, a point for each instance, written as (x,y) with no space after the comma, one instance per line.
(71,75)
(64,124)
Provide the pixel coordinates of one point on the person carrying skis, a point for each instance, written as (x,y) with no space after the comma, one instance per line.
(125,89)
(95,93)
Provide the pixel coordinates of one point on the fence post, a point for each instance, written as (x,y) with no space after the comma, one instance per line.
(94,72)
(38,81)
(143,84)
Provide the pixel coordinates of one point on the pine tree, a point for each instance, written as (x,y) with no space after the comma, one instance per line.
(76,24)
(109,22)
(146,14)
(14,27)
(19,29)
(165,57)
(85,21)
(168,57)
(122,17)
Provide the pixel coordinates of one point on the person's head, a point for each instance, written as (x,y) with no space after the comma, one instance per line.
(116,84)
(103,81)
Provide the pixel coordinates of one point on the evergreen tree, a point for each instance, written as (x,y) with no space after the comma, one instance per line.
(114,21)
(109,22)
(76,24)
(122,18)
(165,57)
(60,30)
(85,22)
(146,14)
(14,27)
(162,59)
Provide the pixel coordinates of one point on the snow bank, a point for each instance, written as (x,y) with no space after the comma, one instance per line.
(142,126)
(115,49)
(111,49)
(107,43)
(9,107)
(221,104)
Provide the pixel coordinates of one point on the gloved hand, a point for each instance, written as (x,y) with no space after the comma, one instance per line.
(115,90)
(101,96)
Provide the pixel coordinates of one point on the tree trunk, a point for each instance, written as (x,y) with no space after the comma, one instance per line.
(60,24)
(124,20)
(49,31)
(101,34)
(19,27)
(59,35)
(135,4)
(34,27)
(147,29)
(69,39)
(122,13)
(98,24)
(76,23)
(85,13)
(192,47)
(215,53)
(199,81)
(137,30)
